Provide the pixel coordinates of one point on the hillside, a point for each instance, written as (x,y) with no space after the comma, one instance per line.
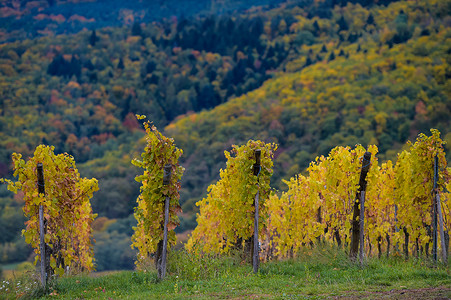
(80,93)
(21,20)
(380,89)
(316,274)
(308,75)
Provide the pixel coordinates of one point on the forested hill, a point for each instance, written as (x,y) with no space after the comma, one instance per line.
(364,76)
(31,19)
(308,75)
(79,92)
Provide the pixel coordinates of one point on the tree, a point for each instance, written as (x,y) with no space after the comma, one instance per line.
(316,28)
(136,29)
(93,38)
(331,56)
(403,32)
(120,64)
(61,67)
(304,37)
(370,19)
(342,24)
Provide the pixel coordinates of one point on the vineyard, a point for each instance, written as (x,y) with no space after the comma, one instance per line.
(399,201)
(347,200)
(294,155)
(325,205)
(303,74)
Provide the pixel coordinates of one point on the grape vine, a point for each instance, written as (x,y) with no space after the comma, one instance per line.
(414,178)
(318,205)
(227,213)
(149,212)
(398,200)
(67,209)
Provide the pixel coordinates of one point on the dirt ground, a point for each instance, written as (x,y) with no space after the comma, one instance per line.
(438,293)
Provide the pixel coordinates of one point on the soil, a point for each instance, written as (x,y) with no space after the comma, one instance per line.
(437,293)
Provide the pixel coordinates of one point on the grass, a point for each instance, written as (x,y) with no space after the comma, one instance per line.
(316,274)
(11,271)
(9,266)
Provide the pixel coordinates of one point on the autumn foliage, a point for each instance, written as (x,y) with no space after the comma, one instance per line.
(318,207)
(149,213)
(67,209)
(226,216)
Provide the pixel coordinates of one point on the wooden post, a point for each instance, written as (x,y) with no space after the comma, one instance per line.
(434,210)
(319,220)
(438,209)
(442,230)
(337,237)
(255,255)
(362,226)
(355,234)
(42,246)
(406,242)
(387,237)
(162,265)
(396,228)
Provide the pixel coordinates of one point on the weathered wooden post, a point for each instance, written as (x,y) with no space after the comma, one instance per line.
(255,254)
(162,265)
(42,246)
(396,228)
(442,231)
(434,211)
(362,227)
(438,213)
(319,220)
(406,242)
(355,235)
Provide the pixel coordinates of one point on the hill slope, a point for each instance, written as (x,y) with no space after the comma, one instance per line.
(381,89)
(30,19)
(308,75)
